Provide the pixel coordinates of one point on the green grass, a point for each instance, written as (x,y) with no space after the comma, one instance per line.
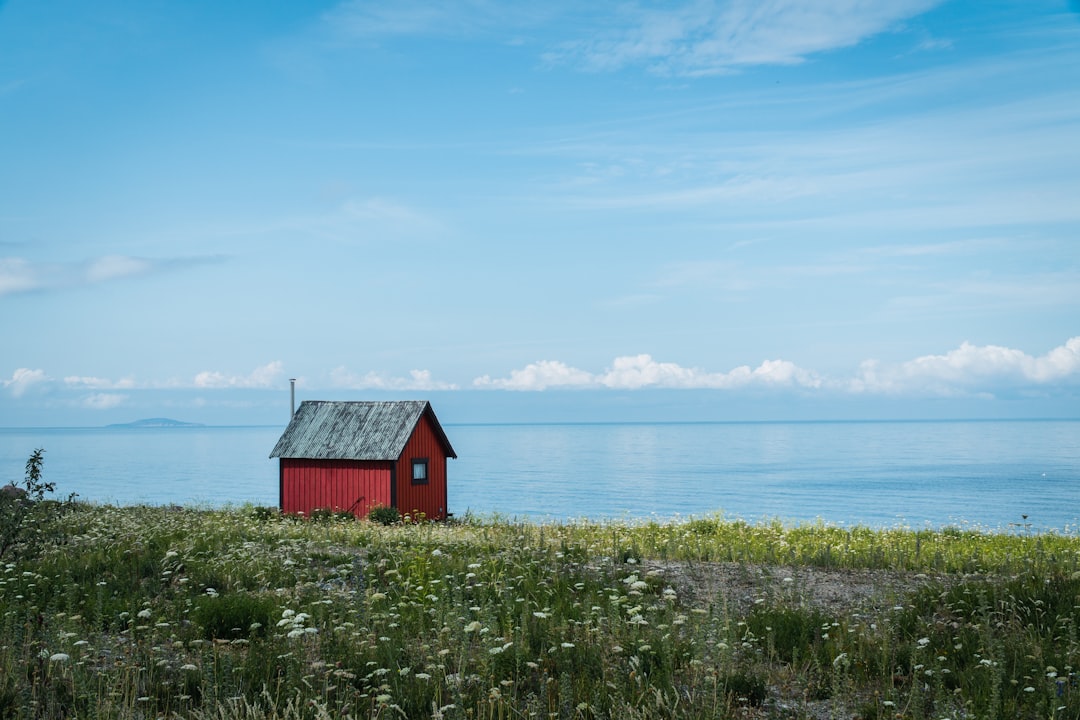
(152,612)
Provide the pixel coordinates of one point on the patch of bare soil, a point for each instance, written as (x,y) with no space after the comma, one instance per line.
(739,586)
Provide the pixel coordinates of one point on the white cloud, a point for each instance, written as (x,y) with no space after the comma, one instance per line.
(539,376)
(633,372)
(265,376)
(971,368)
(406,18)
(417,380)
(19,275)
(367,218)
(709,37)
(637,371)
(967,370)
(111,267)
(368,19)
(386,213)
(23,379)
(97,383)
(16,275)
(103,401)
(698,37)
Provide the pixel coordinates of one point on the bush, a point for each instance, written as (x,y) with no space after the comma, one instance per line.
(263,513)
(384,515)
(327,514)
(25,515)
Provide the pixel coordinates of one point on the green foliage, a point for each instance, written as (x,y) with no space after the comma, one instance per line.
(235,615)
(745,687)
(790,632)
(384,515)
(330,514)
(27,518)
(264,513)
(156,612)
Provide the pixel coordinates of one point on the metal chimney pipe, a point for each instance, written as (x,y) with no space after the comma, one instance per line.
(292,397)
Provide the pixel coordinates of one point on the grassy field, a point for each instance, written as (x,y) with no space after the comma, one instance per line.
(142,612)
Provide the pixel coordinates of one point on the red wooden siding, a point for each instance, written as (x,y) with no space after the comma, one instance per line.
(429,499)
(307,485)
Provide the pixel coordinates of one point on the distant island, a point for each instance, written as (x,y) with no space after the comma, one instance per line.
(156,423)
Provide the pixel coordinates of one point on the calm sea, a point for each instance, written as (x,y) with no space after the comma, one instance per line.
(988,474)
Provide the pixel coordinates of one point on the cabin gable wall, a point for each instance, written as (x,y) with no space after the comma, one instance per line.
(429,498)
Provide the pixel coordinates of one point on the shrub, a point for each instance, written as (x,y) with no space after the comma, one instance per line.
(328,514)
(25,515)
(321,514)
(384,515)
(262,513)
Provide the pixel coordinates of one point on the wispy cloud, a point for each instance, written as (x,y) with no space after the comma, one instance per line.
(13,85)
(112,267)
(368,19)
(18,275)
(264,376)
(103,401)
(357,220)
(23,379)
(950,158)
(716,36)
(340,377)
(700,37)
(97,383)
(984,293)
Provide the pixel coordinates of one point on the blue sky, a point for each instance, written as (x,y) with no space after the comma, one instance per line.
(768,209)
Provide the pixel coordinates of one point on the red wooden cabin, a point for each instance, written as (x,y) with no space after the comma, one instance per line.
(358,455)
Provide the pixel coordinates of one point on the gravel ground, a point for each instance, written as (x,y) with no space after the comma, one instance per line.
(738,587)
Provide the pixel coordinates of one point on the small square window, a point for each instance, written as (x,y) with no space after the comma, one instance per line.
(419,472)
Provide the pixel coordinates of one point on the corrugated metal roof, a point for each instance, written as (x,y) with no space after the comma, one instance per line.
(329,430)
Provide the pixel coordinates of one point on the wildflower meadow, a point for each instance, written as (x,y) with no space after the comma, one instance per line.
(153,612)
